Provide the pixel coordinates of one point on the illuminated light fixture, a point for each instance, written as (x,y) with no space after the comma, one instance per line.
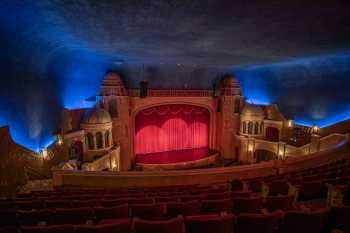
(59,140)
(250,148)
(290,123)
(44,153)
(280,153)
(315,129)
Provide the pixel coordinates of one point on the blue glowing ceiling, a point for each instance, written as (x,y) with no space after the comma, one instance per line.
(54,54)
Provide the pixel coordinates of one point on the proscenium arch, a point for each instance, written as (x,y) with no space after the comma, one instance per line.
(212,125)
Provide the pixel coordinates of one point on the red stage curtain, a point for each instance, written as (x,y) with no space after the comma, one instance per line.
(171,127)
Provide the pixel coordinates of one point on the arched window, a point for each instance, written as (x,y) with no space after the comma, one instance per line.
(250,127)
(107,138)
(90,141)
(99,143)
(244,127)
(256,128)
(262,127)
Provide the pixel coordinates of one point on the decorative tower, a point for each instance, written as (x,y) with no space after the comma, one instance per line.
(114,98)
(231,101)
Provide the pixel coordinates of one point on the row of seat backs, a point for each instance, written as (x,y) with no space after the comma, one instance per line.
(306,190)
(128,191)
(317,221)
(40,204)
(339,167)
(150,211)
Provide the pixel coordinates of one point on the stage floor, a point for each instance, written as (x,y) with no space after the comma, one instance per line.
(178,156)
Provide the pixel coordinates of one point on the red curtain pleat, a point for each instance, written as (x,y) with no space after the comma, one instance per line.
(171,127)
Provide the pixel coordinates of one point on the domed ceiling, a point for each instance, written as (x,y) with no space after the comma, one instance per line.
(54,53)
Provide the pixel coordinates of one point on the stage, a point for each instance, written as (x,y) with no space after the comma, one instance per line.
(178,159)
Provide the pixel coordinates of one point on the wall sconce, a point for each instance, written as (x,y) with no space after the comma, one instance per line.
(290,123)
(315,129)
(59,140)
(250,148)
(280,153)
(113,165)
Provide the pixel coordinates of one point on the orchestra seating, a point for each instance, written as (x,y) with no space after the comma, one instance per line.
(291,202)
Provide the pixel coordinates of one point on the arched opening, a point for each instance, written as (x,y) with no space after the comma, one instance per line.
(272,134)
(90,141)
(107,138)
(76,150)
(256,128)
(264,155)
(244,127)
(250,127)
(99,143)
(171,127)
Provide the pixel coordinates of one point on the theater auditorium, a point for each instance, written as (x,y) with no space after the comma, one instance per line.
(174,116)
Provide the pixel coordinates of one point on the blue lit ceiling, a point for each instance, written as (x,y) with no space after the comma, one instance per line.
(54,54)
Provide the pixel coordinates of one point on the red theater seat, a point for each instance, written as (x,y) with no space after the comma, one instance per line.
(29,205)
(58,204)
(255,185)
(73,216)
(147,200)
(247,205)
(114,202)
(295,180)
(7,205)
(259,223)
(278,203)
(190,198)
(89,197)
(148,211)
(312,190)
(68,198)
(84,203)
(164,194)
(115,212)
(7,218)
(183,208)
(237,185)
(165,199)
(49,229)
(218,196)
(114,196)
(175,225)
(314,221)
(24,195)
(216,206)
(197,192)
(210,223)
(33,217)
(278,187)
(120,226)
(140,195)
(217,190)
(241,194)
(340,218)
